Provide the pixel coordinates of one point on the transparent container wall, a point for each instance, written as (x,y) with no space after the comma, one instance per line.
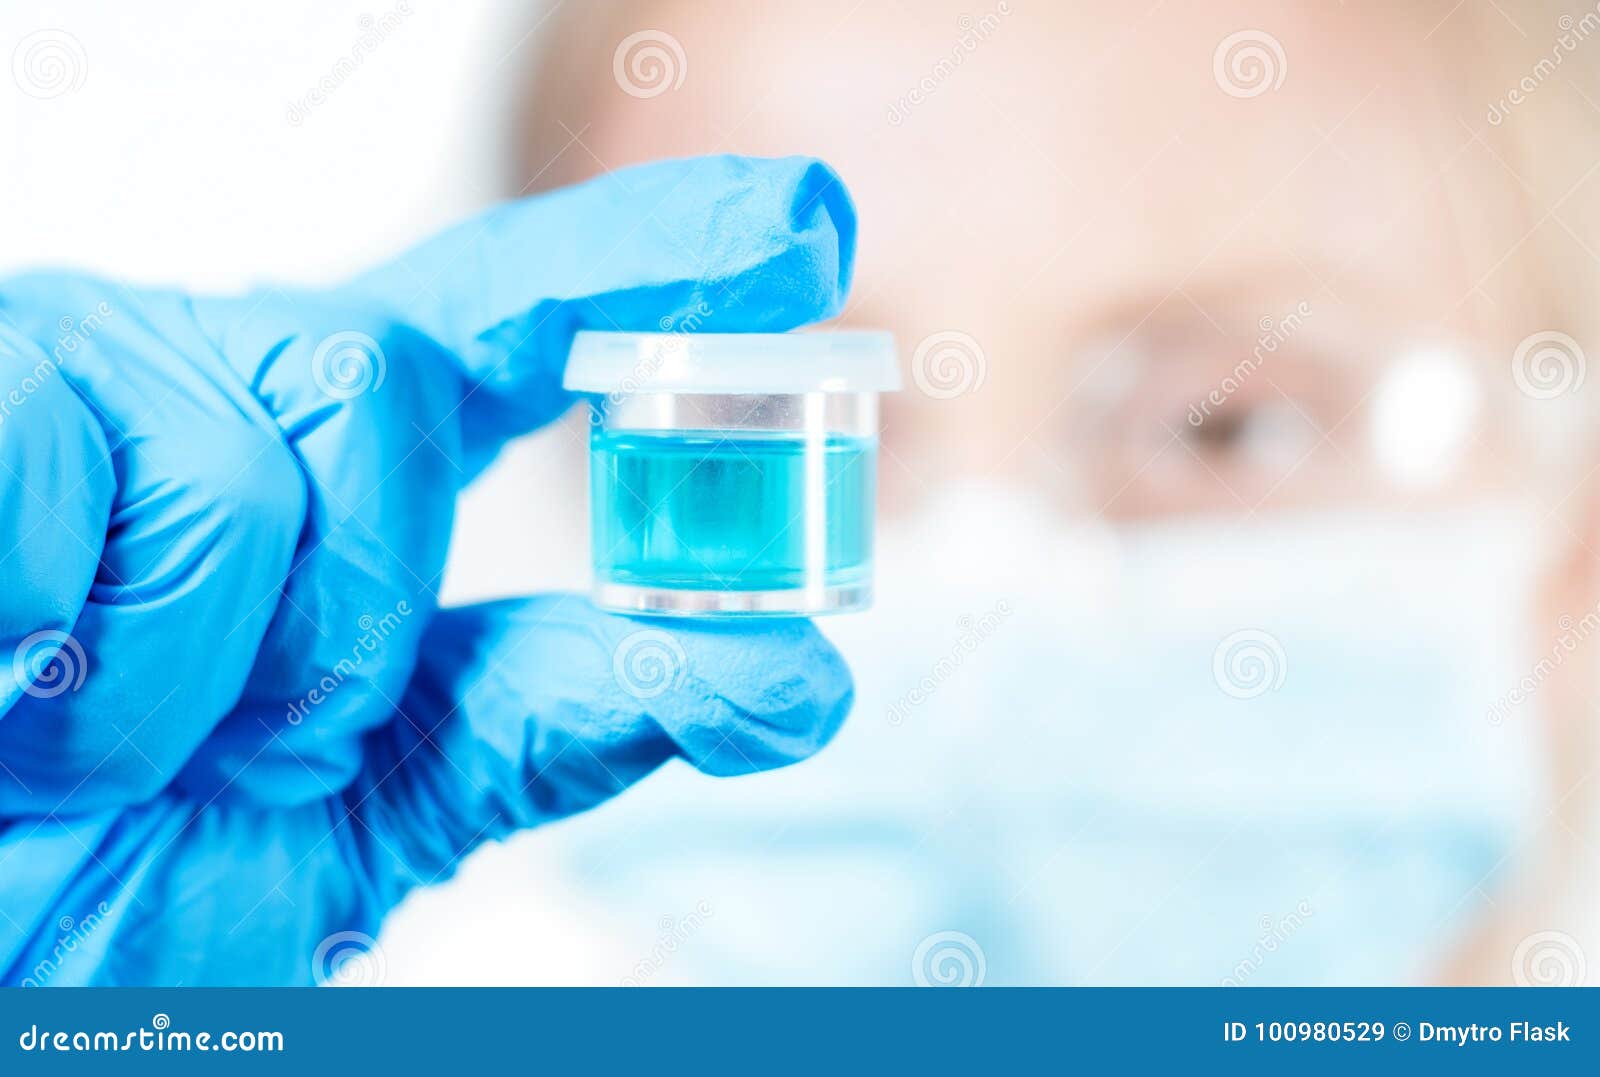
(734,505)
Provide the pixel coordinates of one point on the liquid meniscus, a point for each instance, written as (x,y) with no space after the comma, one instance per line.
(700,511)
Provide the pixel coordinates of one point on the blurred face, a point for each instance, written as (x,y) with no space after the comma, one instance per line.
(1259,268)
(1144,271)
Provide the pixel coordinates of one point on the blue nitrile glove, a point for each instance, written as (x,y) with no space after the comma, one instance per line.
(237,730)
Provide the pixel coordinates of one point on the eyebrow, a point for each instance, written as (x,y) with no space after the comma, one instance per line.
(1337,316)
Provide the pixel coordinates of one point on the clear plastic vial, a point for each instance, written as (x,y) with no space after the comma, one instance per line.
(733,474)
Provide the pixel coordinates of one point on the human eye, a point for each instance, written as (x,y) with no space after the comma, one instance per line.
(1176,420)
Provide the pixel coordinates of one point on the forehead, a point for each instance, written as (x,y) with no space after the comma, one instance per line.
(1077,157)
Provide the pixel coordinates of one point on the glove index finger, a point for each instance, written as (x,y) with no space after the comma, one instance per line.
(714,244)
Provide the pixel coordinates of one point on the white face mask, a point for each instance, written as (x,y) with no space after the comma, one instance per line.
(1188,731)
(1187,753)
(1383,638)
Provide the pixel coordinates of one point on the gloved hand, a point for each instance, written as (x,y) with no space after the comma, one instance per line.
(237,730)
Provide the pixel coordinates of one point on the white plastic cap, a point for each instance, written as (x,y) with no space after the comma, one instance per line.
(836,361)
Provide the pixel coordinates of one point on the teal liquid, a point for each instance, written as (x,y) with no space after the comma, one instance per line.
(695,510)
